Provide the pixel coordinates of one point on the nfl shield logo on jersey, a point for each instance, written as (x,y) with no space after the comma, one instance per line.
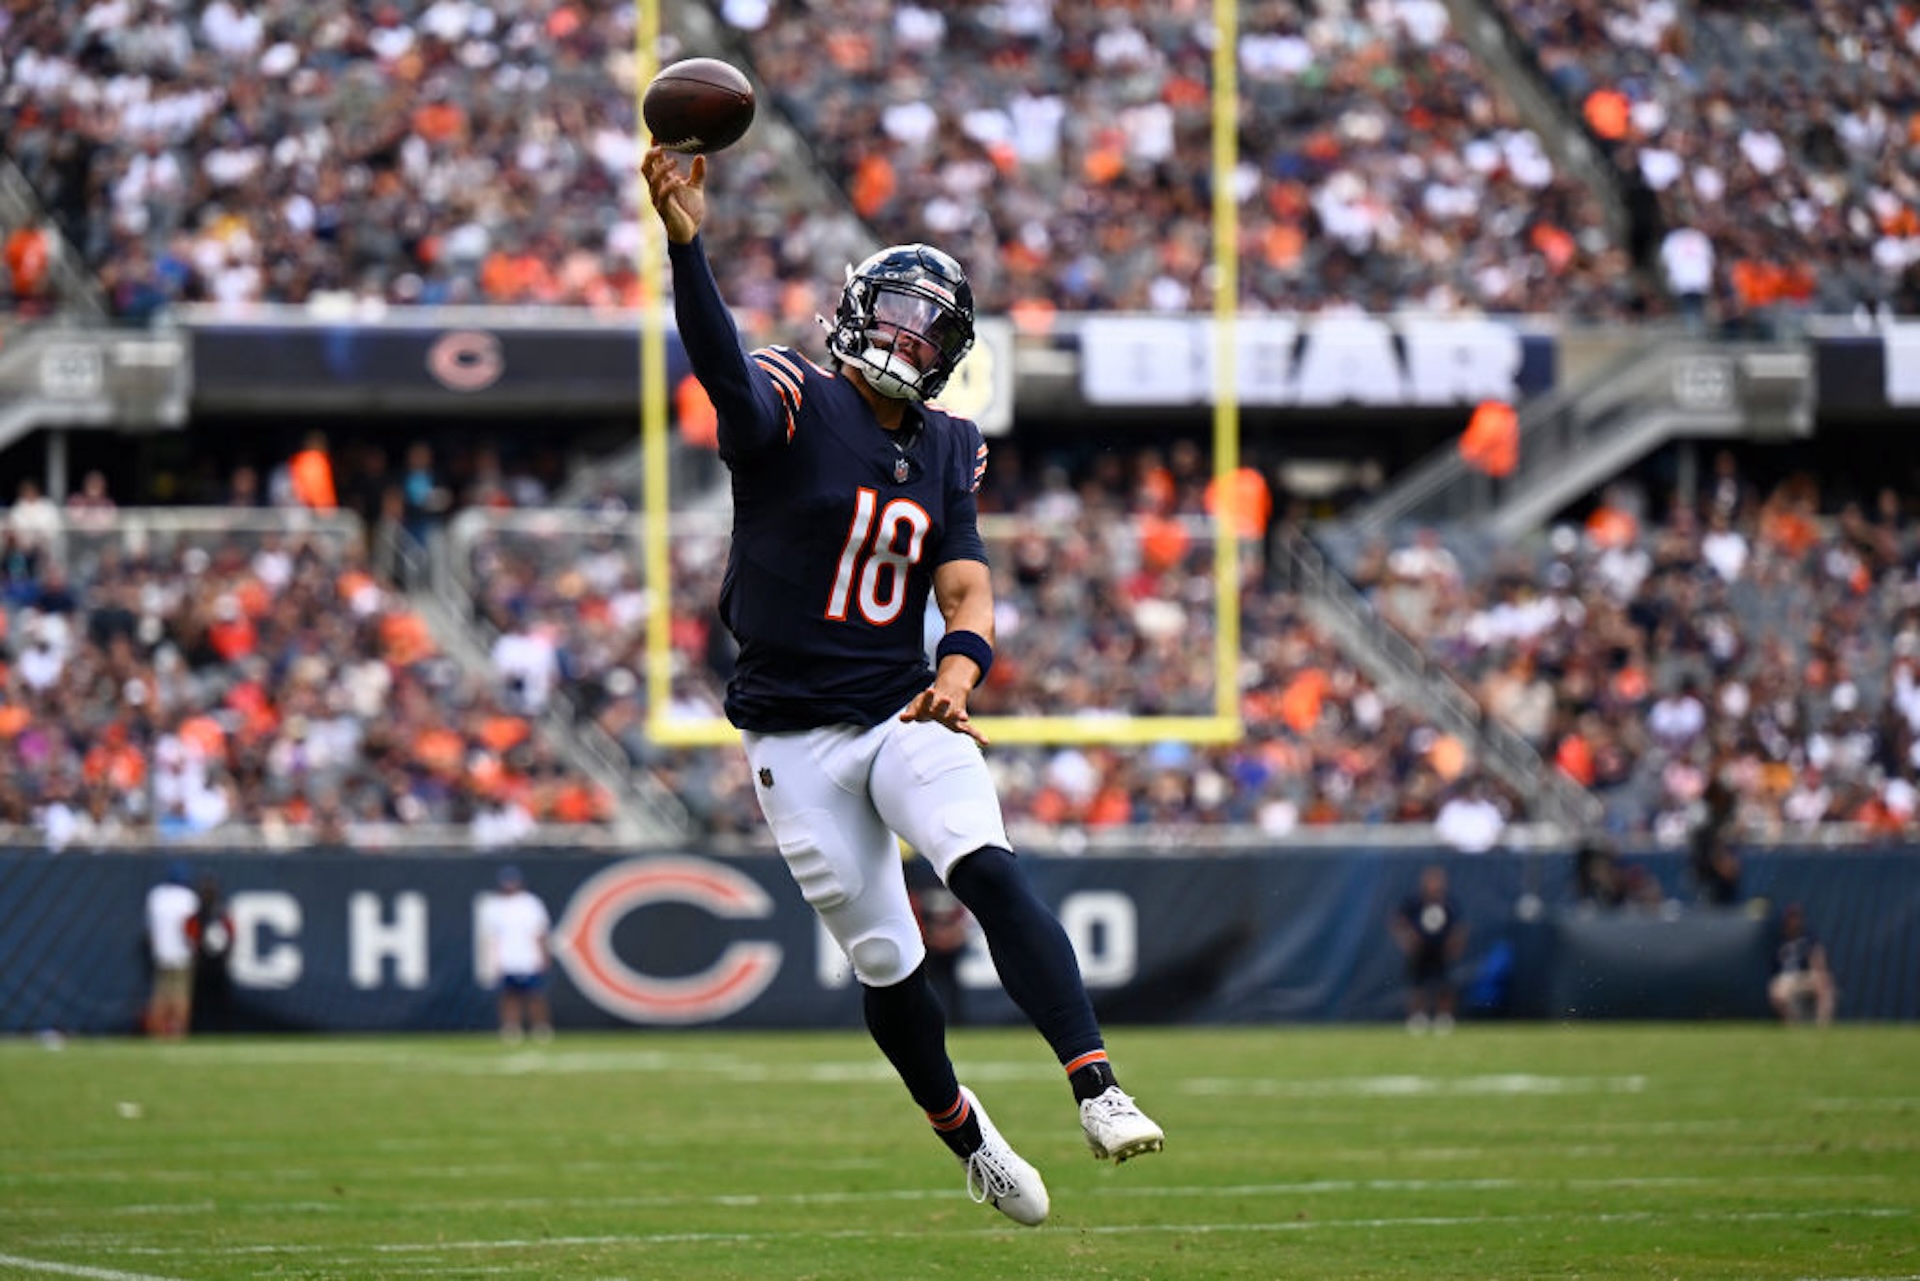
(900,471)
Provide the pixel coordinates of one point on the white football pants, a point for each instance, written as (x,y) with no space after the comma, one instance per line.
(839,801)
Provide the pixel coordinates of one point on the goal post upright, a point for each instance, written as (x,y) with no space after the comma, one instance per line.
(656,495)
(1226,382)
(1224,724)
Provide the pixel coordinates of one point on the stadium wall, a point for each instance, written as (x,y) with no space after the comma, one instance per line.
(337,942)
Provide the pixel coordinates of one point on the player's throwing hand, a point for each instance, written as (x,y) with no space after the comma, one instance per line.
(680,197)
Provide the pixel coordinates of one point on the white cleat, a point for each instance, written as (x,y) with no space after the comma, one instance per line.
(998,1176)
(1117,1129)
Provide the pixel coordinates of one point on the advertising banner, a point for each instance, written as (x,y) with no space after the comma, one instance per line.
(355,942)
(490,364)
(484,367)
(1315,361)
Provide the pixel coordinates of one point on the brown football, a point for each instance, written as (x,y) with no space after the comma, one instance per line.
(698,105)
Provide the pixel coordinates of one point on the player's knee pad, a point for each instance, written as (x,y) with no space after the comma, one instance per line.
(886,955)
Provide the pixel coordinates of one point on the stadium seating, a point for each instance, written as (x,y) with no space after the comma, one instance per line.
(446,152)
(431,153)
(1758,640)
(1784,132)
(1066,157)
(206,676)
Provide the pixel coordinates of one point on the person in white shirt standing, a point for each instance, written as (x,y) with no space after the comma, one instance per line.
(513,935)
(172,907)
(1687,260)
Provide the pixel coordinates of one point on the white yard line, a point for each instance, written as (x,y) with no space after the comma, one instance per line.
(1313,1187)
(1494,1085)
(51,1267)
(1175,1229)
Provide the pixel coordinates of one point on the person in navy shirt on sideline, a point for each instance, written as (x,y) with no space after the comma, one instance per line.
(1432,935)
(853,501)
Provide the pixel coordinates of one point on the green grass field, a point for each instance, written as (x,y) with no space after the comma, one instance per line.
(1732,1151)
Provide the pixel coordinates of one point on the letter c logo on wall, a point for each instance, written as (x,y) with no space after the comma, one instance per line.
(466,360)
(736,977)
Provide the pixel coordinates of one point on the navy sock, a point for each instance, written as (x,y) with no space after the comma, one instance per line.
(958,1127)
(1090,1075)
(1030,950)
(906,1022)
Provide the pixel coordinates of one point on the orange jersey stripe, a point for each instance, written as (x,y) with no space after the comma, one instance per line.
(784,382)
(777,363)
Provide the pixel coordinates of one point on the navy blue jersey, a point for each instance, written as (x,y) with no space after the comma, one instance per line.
(1432,922)
(1795,955)
(838,524)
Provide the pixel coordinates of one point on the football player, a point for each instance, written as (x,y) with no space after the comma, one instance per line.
(853,499)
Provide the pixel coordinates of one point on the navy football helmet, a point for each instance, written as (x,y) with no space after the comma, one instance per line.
(905,321)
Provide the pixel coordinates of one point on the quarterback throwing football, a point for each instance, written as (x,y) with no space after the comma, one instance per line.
(853,499)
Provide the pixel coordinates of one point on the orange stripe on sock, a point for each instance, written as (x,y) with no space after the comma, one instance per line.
(1091,1056)
(954,1117)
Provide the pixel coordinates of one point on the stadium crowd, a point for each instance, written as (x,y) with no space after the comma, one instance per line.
(1777,141)
(1764,646)
(1064,152)
(260,673)
(444,151)
(164,681)
(412,152)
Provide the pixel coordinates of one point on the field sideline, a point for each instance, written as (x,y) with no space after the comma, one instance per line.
(1736,1151)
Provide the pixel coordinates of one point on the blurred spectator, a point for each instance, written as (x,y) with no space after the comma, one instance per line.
(1432,935)
(91,506)
(499,820)
(1686,258)
(1714,864)
(426,496)
(171,908)
(212,932)
(515,953)
(1802,986)
(28,255)
(310,477)
(32,527)
(947,929)
(1598,879)
(1470,820)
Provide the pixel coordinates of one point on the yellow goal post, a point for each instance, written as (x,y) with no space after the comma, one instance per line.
(1224,724)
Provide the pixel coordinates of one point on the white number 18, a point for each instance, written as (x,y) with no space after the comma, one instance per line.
(883,575)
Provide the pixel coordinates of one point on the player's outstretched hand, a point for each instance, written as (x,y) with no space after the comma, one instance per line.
(679,197)
(948,707)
